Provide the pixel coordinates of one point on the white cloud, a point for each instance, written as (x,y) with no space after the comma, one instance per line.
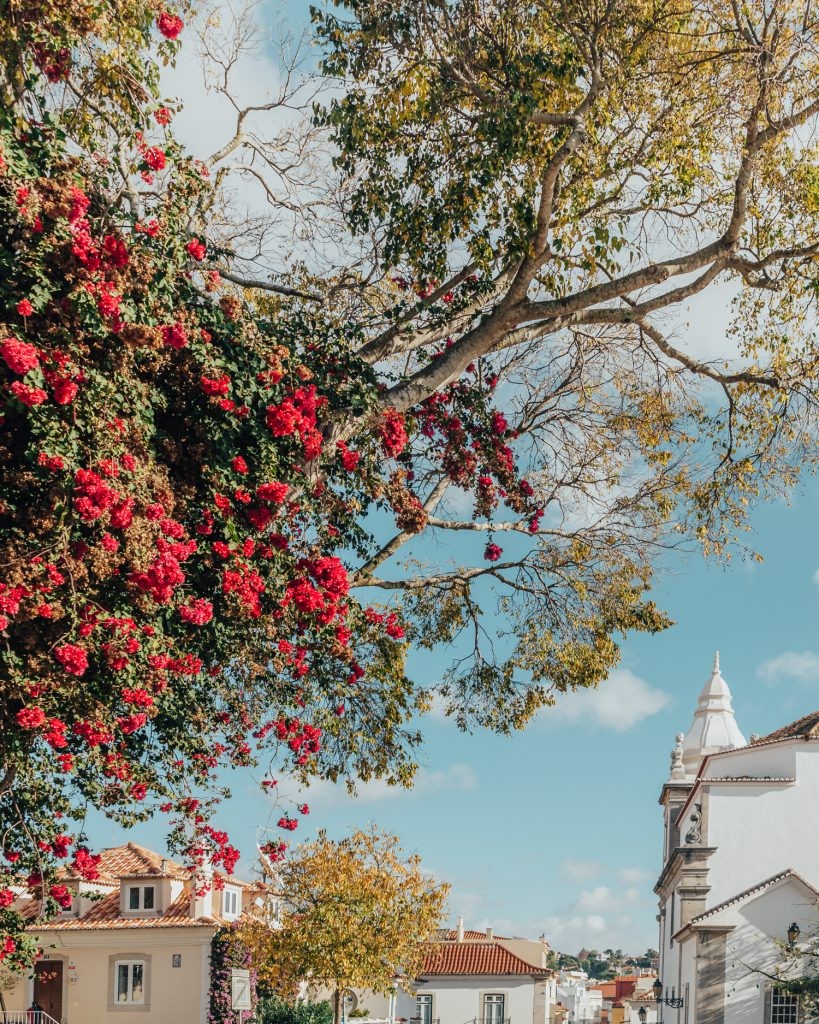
(816,577)
(579,870)
(620,702)
(632,876)
(602,898)
(800,666)
(598,898)
(570,932)
(457,777)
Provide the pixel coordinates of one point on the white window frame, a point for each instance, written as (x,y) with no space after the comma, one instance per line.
(231,896)
(141,890)
(784,1007)
(129,982)
(494,999)
(426,999)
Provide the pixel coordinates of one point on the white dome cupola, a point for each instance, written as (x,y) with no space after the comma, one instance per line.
(714,727)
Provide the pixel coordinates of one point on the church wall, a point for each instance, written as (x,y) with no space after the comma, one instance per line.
(747,825)
(709,986)
(751,947)
(777,761)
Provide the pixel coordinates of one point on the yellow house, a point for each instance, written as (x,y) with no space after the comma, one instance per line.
(135,942)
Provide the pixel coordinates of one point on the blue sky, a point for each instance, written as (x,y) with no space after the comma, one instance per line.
(557,829)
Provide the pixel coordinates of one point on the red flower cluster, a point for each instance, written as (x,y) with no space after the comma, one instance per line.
(196,249)
(298,414)
(170,25)
(30,717)
(198,613)
(19,356)
(73,658)
(393,432)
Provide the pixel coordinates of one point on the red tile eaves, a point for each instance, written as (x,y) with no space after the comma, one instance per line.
(106,915)
(477,958)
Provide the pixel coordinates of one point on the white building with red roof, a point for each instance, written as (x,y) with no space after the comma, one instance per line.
(136,941)
(740,865)
(474,977)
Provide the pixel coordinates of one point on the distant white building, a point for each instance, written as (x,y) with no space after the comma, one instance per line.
(740,864)
(583,1004)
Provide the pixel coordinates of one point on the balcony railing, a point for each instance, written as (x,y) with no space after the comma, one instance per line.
(26,1017)
(395,1020)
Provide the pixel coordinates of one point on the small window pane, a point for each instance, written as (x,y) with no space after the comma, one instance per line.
(133,899)
(424,1009)
(122,983)
(148,898)
(136,982)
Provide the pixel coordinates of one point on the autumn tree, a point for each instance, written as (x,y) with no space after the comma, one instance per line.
(233,466)
(358,913)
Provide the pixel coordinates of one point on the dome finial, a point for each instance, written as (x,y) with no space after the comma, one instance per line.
(714,727)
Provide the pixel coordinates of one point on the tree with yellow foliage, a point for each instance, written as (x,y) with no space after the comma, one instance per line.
(359,913)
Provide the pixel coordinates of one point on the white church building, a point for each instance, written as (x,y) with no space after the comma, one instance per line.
(740,865)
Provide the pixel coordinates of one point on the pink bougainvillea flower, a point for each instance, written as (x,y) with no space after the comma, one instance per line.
(73,658)
(196,249)
(492,552)
(170,25)
(19,356)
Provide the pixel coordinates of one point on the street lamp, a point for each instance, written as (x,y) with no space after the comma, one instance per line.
(658,996)
(793,934)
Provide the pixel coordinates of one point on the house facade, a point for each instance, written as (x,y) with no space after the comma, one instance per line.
(740,864)
(135,943)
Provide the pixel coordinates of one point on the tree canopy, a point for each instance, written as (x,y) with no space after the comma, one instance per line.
(240,475)
(358,913)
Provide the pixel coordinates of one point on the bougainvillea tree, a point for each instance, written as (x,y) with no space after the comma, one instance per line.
(206,474)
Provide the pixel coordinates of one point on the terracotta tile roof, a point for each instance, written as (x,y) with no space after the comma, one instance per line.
(751,891)
(451,935)
(222,880)
(133,861)
(106,914)
(806,728)
(475,958)
(641,996)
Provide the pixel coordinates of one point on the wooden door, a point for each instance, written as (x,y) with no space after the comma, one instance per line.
(48,987)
